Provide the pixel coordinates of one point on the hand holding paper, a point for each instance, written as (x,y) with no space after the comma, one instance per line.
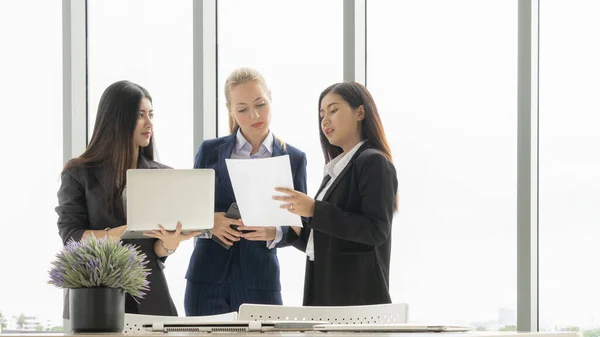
(296,202)
(254,182)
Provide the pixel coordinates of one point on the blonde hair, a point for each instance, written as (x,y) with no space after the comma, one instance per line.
(241,76)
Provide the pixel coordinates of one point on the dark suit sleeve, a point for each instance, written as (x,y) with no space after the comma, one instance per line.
(199,160)
(372,225)
(301,241)
(299,185)
(72,208)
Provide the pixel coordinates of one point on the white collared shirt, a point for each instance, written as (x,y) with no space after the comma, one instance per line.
(333,169)
(243,148)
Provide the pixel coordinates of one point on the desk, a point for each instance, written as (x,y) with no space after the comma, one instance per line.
(320,334)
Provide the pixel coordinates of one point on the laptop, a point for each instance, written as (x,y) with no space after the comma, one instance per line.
(391,327)
(235,326)
(166,196)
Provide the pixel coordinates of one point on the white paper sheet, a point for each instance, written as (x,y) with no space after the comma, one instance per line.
(254,182)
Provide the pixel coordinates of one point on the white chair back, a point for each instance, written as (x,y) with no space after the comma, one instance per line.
(364,314)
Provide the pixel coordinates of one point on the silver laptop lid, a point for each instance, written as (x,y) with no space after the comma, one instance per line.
(166,196)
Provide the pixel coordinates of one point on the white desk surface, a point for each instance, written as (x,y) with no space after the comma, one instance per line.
(320,334)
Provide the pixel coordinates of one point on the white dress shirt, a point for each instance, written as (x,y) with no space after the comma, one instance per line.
(333,169)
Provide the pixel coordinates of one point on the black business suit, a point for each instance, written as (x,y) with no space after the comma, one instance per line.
(352,234)
(82,206)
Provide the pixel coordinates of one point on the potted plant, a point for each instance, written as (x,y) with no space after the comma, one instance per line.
(98,273)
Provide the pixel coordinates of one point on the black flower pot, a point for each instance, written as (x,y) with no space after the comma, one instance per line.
(96,309)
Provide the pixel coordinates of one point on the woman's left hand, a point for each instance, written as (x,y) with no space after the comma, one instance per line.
(171,239)
(296,202)
(258,233)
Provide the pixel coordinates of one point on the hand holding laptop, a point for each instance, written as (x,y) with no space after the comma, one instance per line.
(116,232)
(171,239)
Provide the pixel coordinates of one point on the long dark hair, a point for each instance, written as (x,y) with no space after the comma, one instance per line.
(111,147)
(356,94)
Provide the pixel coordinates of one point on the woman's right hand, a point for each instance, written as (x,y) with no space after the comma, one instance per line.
(117,232)
(223,231)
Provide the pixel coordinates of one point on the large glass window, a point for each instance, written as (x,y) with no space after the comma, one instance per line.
(297,46)
(149,42)
(444,74)
(31,142)
(569,172)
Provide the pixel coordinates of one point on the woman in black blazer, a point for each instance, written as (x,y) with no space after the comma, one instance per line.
(347,229)
(90,198)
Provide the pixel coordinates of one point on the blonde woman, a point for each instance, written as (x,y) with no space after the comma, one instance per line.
(219,280)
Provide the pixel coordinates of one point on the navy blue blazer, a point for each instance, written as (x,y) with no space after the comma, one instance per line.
(209,261)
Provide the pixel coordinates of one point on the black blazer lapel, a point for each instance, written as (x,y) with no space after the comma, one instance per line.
(341,175)
(144,163)
(326,179)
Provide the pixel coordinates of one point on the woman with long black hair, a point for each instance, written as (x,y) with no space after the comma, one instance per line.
(91,195)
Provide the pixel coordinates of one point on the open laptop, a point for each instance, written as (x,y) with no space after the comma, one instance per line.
(166,196)
(235,326)
(390,327)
